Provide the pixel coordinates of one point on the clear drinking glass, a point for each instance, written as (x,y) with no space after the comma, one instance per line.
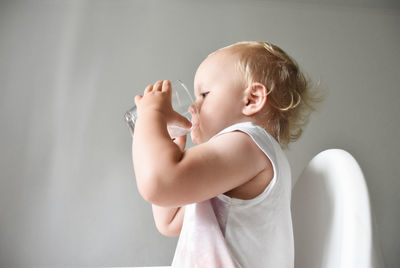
(181,101)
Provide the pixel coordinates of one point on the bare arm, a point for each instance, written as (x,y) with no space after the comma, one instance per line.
(203,172)
(152,147)
(168,220)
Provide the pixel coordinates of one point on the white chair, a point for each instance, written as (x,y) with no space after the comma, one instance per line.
(332,219)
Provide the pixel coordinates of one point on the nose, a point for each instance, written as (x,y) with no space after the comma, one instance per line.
(193,108)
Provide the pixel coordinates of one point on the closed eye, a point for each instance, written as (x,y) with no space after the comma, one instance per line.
(203,95)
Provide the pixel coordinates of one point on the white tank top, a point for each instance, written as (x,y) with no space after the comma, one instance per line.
(231,232)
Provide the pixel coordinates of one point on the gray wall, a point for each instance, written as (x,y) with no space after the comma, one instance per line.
(70,69)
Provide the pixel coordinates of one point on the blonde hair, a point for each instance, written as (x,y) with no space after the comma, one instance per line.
(290,96)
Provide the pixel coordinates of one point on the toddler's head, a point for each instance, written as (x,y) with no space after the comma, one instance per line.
(258,82)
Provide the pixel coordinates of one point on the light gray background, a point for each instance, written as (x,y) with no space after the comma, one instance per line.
(70,69)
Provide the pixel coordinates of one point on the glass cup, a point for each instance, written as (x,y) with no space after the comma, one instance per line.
(181,101)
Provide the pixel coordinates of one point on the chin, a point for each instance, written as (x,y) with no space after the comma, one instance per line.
(196,137)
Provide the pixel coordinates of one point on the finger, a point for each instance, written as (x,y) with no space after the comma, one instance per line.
(148,89)
(181,142)
(137,99)
(158,86)
(166,86)
(181,121)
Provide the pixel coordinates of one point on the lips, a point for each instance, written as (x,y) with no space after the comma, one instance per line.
(195,121)
(194,126)
(193,132)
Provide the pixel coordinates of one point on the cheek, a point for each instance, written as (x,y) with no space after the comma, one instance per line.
(216,111)
(208,114)
(210,122)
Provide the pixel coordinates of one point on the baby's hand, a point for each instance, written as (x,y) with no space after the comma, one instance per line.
(157,98)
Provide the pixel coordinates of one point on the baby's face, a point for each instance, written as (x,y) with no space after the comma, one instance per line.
(219,89)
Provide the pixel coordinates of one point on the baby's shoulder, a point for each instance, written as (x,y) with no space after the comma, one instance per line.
(238,144)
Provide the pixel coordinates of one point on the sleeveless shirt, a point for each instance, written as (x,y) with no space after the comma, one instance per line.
(231,232)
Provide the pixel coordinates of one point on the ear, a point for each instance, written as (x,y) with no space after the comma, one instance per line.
(255,98)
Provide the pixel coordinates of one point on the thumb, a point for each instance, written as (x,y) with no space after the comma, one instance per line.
(181,121)
(138,98)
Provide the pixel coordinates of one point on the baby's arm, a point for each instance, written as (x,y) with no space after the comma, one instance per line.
(202,172)
(168,220)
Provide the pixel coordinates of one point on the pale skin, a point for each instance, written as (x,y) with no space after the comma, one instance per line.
(170,177)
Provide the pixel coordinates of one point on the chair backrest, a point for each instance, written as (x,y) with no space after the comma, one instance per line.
(332,218)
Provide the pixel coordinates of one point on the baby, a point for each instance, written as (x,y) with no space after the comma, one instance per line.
(228,197)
